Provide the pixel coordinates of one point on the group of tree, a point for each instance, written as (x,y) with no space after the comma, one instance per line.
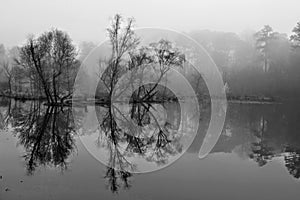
(127,54)
(44,67)
(264,63)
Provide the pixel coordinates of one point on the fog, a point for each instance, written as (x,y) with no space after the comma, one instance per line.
(77,121)
(86,20)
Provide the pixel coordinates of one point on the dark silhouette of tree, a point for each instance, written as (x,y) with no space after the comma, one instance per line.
(126,56)
(122,40)
(51,59)
(45,133)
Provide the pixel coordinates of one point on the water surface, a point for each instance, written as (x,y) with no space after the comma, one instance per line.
(256,157)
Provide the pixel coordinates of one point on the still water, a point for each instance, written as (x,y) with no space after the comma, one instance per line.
(43,157)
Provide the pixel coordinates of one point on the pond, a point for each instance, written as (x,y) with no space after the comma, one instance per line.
(44,155)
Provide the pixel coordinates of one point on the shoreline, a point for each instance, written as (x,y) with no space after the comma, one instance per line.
(101,101)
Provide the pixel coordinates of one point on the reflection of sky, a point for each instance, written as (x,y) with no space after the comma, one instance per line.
(227,173)
(219,176)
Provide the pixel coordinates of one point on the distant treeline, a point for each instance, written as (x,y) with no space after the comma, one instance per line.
(262,64)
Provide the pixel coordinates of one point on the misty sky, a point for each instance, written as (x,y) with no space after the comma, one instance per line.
(86,20)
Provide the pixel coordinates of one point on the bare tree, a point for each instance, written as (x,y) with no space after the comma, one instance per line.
(50,58)
(127,55)
(123,40)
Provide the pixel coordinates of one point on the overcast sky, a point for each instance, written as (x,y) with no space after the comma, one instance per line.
(86,20)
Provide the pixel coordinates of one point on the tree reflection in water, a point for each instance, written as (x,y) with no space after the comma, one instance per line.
(274,136)
(154,140)
(261,152)
(46,133)
(47,136)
